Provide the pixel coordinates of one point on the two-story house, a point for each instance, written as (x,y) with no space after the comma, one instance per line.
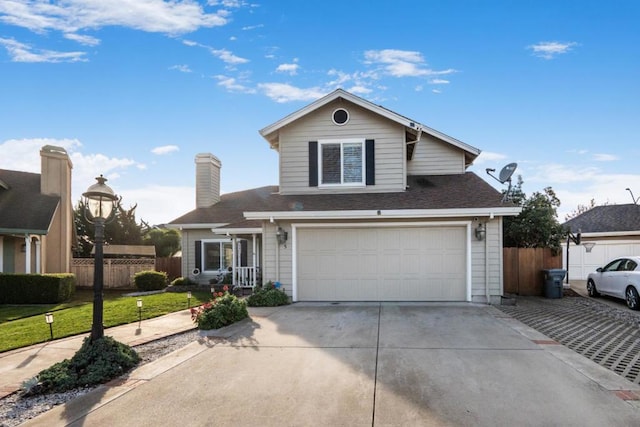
(371,206)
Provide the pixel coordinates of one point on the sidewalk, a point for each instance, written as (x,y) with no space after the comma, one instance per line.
(21,364)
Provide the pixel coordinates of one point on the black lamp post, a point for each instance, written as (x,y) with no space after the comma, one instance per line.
(100,202)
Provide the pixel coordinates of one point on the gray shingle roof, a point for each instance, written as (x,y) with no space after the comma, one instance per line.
(463,191)
(22,207)
(609,218)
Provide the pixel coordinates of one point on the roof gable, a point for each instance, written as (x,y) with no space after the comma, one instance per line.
(23,209)
(271,132)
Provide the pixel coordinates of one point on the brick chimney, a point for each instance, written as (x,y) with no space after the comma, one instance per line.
(207,180)
(55,180)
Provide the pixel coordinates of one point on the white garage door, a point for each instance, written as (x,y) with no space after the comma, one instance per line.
(381,264)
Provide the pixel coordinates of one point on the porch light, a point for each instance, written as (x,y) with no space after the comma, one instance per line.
(281,236)
(481,231)
(48,317)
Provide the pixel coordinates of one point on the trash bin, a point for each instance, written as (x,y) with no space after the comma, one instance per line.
(553,287)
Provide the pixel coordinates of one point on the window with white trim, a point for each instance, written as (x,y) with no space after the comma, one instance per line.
(341,162)
(217,255)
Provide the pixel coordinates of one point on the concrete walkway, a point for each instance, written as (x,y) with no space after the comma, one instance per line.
(21,364)
(364,364)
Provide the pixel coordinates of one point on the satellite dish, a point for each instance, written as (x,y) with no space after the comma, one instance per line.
(507,171)
(504,176)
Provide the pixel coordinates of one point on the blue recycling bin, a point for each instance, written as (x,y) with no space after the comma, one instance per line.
(553,287)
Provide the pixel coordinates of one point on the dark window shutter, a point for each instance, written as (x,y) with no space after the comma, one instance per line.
(313,163)
(370,162)
(199,254)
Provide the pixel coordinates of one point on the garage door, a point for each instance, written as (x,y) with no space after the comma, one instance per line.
(381,264)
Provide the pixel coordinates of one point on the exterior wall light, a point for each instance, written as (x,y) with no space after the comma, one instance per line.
(481,231)
(588,246)
(281,236)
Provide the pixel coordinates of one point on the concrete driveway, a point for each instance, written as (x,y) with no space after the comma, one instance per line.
(365,364)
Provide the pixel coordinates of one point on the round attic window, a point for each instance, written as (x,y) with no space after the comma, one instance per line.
(340,116)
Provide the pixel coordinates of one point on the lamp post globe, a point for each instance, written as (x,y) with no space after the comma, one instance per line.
(100,202)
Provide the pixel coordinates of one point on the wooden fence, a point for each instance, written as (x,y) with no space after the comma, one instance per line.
(522,269)
(119,272)
(170,265)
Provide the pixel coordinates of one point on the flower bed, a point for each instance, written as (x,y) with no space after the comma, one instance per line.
(223,310)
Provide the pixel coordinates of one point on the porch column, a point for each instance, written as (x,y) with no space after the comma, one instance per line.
(234,263)
(254,259)
(38,256)
(27,254)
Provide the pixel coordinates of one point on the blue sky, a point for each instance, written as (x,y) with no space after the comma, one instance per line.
(134,89)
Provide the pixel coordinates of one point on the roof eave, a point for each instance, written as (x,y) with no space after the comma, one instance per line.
(385,214)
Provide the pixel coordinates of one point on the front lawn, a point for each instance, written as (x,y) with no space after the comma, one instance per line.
(24,325)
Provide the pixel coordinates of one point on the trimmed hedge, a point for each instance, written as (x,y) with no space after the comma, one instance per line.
(150,280)
(36,288)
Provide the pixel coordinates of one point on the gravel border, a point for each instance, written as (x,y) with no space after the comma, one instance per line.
(15,410)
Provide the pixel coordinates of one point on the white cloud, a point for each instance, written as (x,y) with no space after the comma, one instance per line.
(24,155)
(169,17)
(604,157)
(402,63)
(159,204)
(183,68)
(359,90)
(21,52)
(549,50)
(488,156)
(83,39)
(436,91)
(291,69)
(165,149)
(439,82)
(228,57)
(232,84)
(281,92)
(252,27)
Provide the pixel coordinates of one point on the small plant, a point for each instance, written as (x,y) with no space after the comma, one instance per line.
(268,296)
(223,310)
(150,280)
(183,281)
(30,387)
(96,362)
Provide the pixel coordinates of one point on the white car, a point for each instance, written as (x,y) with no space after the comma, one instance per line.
(620,279)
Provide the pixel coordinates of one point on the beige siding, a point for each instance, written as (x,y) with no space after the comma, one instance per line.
(277,258)
(434,157)
(489,269)
(294,148)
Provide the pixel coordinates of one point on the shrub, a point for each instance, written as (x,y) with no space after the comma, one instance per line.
(223,310)
(268,296)
(36,288)
(95,363)
(150,280)
(183,281)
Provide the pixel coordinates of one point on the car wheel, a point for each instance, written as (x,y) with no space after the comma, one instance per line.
(633,302)
(591,289)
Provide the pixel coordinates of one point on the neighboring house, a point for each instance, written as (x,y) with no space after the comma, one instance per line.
(36,216)
(371,206)
(615,230)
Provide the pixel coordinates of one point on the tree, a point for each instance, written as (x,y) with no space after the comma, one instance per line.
(537,225)
(166,241)
(122,230)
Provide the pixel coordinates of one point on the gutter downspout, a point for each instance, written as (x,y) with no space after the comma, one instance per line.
(486,262)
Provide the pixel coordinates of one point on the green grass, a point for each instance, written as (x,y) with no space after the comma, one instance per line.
(24,325)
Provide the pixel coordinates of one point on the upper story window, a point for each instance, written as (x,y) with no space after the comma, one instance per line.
(340,116)
(341,162)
